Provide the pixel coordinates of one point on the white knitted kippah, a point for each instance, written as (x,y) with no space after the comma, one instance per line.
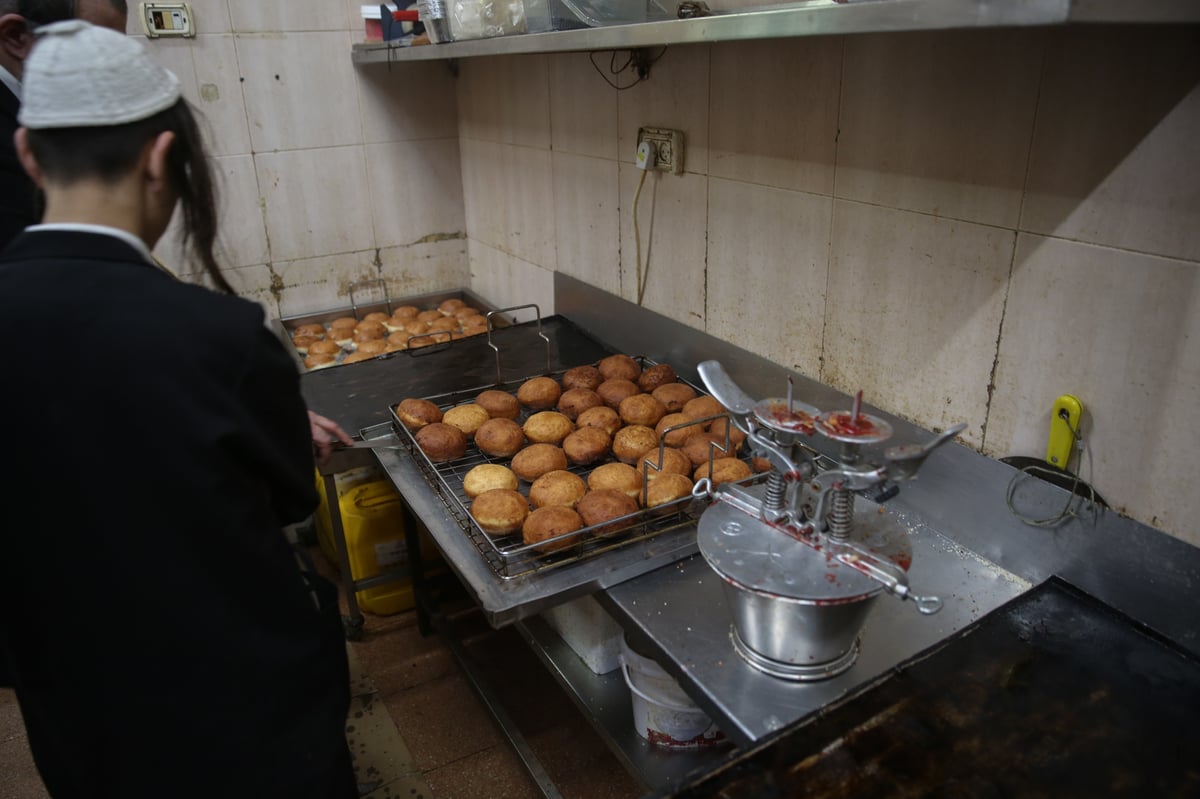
(80,75)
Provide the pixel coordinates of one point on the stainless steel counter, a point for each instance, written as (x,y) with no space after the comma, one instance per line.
(680,612)
(968,547)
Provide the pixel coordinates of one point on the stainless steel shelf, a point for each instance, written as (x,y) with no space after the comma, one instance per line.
(813,18)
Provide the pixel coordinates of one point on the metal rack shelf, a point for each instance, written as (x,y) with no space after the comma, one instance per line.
(604,700)
(812,18)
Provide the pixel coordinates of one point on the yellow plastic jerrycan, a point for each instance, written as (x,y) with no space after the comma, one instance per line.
(373,522)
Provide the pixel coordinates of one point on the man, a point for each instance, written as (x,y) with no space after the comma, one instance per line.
(18,18)
(174,647)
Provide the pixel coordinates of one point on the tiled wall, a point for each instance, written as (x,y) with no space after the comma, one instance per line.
(330,173)
(965,225)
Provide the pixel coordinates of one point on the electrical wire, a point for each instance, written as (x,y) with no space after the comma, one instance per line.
(1068,511)
(640,66)
(637,240)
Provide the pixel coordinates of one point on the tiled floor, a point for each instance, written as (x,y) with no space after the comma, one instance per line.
(444,743)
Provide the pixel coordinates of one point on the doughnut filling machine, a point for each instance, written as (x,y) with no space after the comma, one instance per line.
(801,566)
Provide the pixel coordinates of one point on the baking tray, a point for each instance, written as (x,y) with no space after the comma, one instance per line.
(283,327)
(1053,694)
(359,396)
(509,557)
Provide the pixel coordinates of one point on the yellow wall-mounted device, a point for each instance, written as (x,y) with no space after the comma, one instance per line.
(168,19)
(1064,424)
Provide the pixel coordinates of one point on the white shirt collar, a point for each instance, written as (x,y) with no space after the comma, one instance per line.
(10,80)
(104,230)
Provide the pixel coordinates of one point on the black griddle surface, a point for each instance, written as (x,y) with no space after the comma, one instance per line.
(359,395)
(1054,694)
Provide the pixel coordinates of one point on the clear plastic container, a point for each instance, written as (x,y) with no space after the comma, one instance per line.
(437,22)
(481,19)
(571,14)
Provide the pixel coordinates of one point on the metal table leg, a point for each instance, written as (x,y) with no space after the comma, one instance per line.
(422,597)
(353,621)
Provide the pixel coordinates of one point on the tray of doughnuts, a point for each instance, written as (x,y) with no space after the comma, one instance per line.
(549,469)
(377,331)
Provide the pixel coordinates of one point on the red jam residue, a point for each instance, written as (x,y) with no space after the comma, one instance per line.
(778,413)
(844,424)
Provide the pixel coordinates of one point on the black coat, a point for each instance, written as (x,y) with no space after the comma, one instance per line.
(161,637)
(16,189)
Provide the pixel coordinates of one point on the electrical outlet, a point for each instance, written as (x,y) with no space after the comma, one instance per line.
(668,148)
(168,19)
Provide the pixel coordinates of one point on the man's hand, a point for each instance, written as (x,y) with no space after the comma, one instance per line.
(325,434)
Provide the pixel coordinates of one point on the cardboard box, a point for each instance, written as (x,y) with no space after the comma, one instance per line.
(373,23)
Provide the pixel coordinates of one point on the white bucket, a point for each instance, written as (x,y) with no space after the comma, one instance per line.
(662,713)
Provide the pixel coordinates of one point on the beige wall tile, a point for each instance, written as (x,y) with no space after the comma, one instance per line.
(1116,155)
(586,220)
(671,211)
(509,197)
(773,112)
(300,90)
(268,16)
(355,19)
(425,268)
(415,190)
(913,313)
(414,101)
(768,252)
(505,99)
(255,283)
(309,285)
(1120,331)
(217,93)
(583,108)
(241,234)
(315,201)
(177,56)
(675,96)
(242,239)
(505,282)
(939,122)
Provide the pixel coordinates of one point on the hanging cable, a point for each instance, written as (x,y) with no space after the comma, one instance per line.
(637,61)
(1069,510)
(637,238)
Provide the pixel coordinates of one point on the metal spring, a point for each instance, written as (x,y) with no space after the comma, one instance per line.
(841,515)
(776,487)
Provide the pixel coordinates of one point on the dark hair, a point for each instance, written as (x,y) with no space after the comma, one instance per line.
(43,12)
(67,155)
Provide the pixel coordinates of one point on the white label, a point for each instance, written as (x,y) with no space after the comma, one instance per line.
(389,553)
(353,478)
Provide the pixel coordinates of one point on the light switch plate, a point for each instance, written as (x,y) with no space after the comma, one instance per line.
(168,19)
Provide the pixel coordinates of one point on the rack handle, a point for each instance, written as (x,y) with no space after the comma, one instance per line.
(537,310)
(367,282)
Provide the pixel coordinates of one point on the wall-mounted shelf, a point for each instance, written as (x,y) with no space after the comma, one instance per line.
(813,18)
